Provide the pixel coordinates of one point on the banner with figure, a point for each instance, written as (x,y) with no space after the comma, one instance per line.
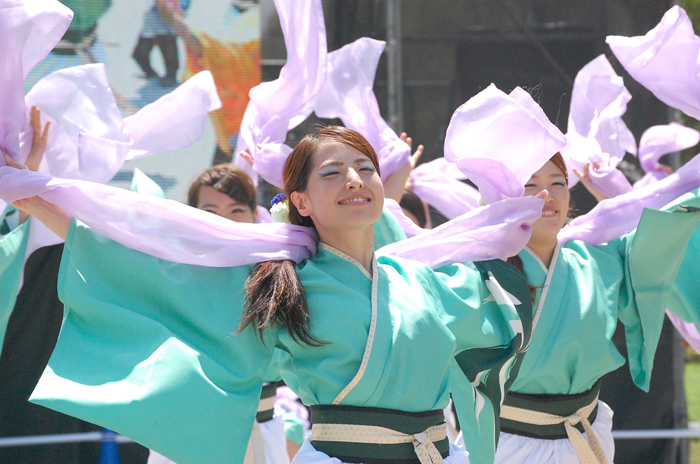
(149,47)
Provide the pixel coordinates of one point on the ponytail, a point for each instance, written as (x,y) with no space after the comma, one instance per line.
(274,295)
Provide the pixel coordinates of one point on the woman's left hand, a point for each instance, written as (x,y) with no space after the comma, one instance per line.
(398,181)
(40,140)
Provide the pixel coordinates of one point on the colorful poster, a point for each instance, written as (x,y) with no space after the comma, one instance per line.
(151,46)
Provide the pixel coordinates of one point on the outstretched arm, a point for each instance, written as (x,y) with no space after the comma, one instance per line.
(36,154)
(53,217)
(173,15)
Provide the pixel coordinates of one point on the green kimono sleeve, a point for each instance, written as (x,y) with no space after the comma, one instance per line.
(13,244)
(148,349)
(490,348)
(684,299)
(387,230)
(141,183)
(653,255)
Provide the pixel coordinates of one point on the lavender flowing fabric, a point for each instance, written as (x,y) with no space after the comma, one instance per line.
(438,183)
(279,105)
(162,228)
(498,141)
(348,95)
(78,101)
(598,101)
(596,131)
(28,32)
(497,230)
(617,216)
(666,61)
(175,120)
(170,230)
(687,330)
(658,141)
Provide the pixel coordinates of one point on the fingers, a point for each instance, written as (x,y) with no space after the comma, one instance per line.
(597,164)
(35,119)
(416,156)
(247,157)
(12,163)
(578,173)
(666,169)
(405,138)
(45,134)
(542,195)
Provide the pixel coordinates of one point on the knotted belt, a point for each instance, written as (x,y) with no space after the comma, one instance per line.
(255,453)
(543,416)
(379,436)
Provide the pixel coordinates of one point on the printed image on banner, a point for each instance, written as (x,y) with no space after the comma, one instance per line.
(149,47)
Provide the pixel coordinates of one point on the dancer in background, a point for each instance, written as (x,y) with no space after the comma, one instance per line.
(580,291)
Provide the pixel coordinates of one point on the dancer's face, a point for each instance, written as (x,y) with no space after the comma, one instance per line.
(218,203)
(556,206)
(344,190)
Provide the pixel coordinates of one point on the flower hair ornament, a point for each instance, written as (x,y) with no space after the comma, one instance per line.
(280,208)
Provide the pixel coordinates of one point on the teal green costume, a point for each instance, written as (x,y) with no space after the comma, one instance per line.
(13,245)
(589,289)
(148,347)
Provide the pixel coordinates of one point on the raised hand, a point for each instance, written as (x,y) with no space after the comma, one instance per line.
(399,181)
(40,140)
(245,154)
(585,179)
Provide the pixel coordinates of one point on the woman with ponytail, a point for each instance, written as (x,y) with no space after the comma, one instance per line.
(172,354)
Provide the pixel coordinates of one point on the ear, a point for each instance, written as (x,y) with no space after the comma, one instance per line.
(255,215)
(301,201)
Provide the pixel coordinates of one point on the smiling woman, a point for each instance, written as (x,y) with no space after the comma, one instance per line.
(579,292)
(332,179)
(553,178)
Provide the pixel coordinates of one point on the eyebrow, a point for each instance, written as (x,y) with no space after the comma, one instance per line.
(340,163)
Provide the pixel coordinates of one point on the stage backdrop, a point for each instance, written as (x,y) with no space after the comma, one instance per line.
(145,59)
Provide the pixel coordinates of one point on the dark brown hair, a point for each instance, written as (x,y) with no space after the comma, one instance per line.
(227,179)
(558,161)
(411,203)
(274,293)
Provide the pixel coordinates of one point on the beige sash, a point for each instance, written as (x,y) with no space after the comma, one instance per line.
(350,433)
(255,453)
(590,452)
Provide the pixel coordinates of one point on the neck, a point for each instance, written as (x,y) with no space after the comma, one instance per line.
(356,243)
(543,250)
